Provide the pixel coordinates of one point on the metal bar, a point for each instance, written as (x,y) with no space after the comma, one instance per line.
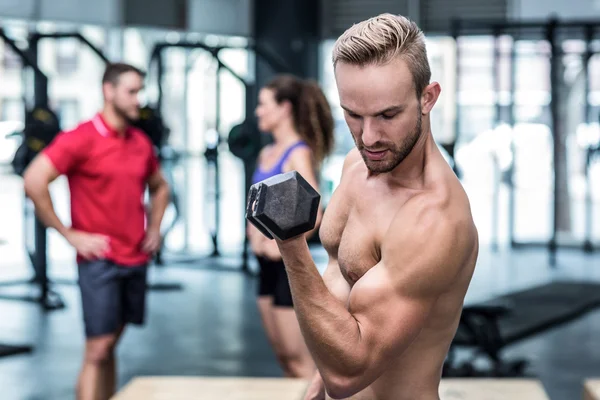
(217,199)
(160,47)
(41,99)
(275,61)
(39,256)
(496,55)
(544,245)
(503,24)
(589,211)
(71,35)
(249,167)
(512,122)
(554,109)
(272,58)
(160,71)
(93,47)
(496,123)
(457,55)
(189,63)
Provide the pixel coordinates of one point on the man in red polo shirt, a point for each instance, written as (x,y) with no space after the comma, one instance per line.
(109,164)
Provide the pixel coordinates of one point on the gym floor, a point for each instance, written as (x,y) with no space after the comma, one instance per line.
(212,327)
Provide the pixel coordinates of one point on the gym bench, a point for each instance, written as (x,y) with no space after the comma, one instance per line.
(489,327)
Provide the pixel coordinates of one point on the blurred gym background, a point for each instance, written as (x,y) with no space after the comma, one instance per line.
(518,119)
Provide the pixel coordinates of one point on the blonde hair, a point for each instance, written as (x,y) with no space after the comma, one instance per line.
(380,40)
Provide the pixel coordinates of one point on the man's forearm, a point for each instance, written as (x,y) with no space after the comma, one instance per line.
(330,331)
(159,200)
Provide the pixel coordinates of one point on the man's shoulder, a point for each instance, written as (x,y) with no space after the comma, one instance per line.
(442,206)
(353,165)
(440,213)
(140,136)
(352,158)
(83,127)
(82,131)
(430,231)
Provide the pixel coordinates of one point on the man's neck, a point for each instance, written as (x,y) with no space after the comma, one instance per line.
(409,173)
(115,121)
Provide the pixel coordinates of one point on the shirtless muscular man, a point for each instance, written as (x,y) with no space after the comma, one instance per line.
(399,232)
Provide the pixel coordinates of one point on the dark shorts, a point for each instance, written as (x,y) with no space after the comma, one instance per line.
(273,281)
(111,295)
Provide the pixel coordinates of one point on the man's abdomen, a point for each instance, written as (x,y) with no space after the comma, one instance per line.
(122,218)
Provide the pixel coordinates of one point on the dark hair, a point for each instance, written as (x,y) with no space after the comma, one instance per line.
(113,72)
(310,109)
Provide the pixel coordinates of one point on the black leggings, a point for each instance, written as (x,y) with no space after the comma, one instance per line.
(273,281)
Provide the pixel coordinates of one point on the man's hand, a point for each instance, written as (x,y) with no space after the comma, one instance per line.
(88,245)
(316,389)
(283,206)
(151,243)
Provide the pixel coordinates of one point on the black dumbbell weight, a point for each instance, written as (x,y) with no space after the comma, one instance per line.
(283,206)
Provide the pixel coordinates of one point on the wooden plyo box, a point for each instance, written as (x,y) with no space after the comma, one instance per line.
(188,388)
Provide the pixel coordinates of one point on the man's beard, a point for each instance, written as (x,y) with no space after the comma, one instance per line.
(123,114)
(397,152)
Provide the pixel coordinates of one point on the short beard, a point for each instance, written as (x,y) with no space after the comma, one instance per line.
(121,113)
(398,154)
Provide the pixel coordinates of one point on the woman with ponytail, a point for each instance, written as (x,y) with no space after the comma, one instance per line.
(297,115)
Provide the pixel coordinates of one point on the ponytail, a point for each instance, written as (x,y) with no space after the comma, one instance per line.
(315,121)
(312,114)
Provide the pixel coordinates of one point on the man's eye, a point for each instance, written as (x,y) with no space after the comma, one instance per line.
(388,116)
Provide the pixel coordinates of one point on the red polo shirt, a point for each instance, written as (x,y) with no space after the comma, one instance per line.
(107,175)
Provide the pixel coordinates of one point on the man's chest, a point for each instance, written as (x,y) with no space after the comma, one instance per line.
(116,160)
(354,238)
(359,246)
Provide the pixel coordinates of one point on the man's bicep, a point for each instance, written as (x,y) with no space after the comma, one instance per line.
(335,282)
(65,152)
(388,317)
(156,180)
(41,170)
(392,301)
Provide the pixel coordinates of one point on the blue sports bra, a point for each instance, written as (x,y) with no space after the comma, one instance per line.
(261,175)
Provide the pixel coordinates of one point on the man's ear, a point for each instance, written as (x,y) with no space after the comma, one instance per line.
(108,90)
(430,95)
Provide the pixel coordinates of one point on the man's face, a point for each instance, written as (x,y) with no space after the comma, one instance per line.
(382,111)
(124,96)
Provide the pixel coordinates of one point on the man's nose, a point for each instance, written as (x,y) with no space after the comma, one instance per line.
(370,135)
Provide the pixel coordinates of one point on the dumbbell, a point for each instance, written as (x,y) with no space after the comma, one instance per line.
(283,206)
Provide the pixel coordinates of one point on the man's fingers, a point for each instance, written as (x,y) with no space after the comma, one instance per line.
(87,254)
(94,238)
(99,247)
(104,239)
(148,245)
(152,245)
